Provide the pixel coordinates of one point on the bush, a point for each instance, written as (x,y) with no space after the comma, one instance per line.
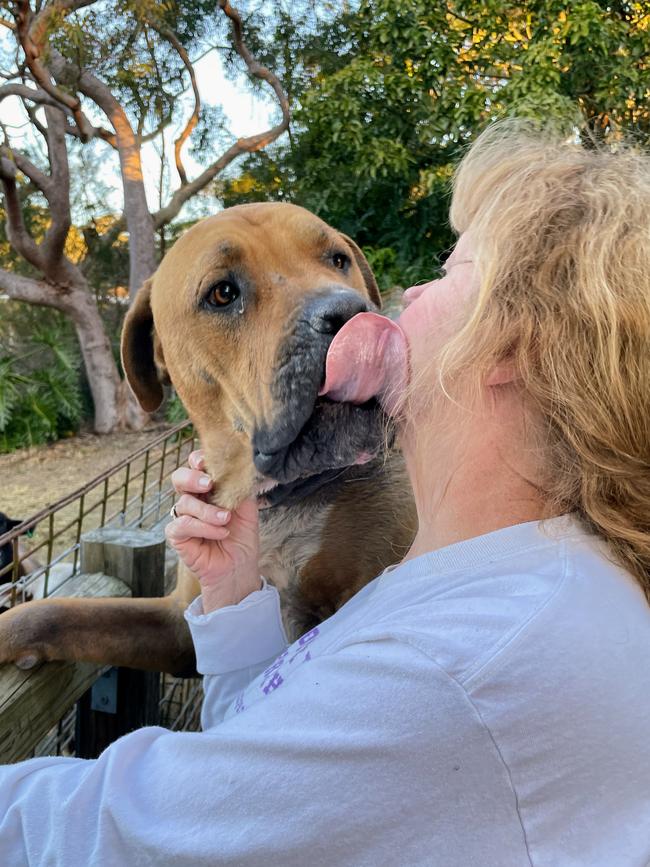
(41,387)
(174,410)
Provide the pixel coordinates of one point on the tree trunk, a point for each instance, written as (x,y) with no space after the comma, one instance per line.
(59,83)
(115,406)
(142,248)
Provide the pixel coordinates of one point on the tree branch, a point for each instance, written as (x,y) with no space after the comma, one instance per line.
(59,192)
(73,130)
(48,256)
(38,95)
(243,145)
(73,5)
(31,112)
(31,93)
(31,32)
(36,176)
(142,252)
(254,67)
(154,133)
(171,37)
(32,291)
(17,234)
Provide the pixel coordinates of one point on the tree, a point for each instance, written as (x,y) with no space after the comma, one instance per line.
(87,71)
(388,96)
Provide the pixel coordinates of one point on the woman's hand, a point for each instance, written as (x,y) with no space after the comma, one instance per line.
(221,547)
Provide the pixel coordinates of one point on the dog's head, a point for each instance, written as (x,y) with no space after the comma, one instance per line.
(239,317)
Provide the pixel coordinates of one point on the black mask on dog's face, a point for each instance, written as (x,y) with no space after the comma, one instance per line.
(309,435)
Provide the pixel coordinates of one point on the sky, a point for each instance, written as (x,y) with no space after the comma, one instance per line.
(246,114)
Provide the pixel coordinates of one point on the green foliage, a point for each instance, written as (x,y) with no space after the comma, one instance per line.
(385,97)
(388,95)
(41,391)
(211,128)
(120,41)
(174,410)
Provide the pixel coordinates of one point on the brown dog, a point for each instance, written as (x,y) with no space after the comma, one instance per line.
(239,316)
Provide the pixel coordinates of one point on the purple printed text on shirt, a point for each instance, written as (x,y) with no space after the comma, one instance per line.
(272,678)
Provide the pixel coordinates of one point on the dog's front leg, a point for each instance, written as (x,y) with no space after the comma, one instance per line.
(150,634)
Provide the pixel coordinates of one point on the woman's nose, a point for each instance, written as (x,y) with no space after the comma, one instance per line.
(413,293)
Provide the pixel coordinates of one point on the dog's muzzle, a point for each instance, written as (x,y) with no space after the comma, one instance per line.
(310,435)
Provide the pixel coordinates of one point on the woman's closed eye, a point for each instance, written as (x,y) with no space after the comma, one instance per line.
(449,265)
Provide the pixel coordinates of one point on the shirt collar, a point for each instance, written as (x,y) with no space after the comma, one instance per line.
(498,545)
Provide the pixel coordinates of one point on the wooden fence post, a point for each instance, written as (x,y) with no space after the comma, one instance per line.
(122,699)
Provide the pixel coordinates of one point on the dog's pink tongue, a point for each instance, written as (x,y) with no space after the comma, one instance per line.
(367,358)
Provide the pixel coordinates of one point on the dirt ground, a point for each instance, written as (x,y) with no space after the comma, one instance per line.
(31,479)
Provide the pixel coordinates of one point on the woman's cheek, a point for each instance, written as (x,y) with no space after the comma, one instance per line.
(420,320)
(429,323)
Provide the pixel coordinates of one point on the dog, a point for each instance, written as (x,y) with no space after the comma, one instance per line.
(31,574)
(239,317)
(6,550)
(25,565)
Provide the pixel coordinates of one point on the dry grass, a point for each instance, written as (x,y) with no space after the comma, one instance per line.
(31,479)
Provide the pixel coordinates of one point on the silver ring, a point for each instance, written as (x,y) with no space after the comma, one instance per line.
(173,512)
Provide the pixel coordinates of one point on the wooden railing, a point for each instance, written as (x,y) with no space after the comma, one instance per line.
(136,492)
(33,703)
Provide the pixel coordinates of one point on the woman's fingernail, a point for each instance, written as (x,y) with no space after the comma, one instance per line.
(205,482)
(223,516)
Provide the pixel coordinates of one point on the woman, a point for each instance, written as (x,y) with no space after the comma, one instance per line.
(486,701)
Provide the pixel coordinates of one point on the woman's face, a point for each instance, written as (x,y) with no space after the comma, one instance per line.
(434,311)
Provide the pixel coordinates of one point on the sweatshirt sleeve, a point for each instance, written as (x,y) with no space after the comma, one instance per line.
(367,755)
(233,645)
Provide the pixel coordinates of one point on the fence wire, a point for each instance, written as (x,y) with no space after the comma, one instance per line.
(136,493)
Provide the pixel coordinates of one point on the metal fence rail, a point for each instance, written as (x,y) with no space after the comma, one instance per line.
(134,493)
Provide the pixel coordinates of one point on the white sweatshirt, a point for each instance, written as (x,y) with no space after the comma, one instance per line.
(486,704)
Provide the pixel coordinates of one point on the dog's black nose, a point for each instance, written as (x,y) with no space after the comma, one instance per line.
(327,314)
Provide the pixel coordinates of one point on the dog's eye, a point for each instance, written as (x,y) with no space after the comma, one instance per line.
(340,261)
(222,294)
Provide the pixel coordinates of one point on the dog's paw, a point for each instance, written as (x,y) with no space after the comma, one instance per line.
(18,640)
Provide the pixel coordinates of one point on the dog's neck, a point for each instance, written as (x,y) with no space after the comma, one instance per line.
(321,488)
(292,530)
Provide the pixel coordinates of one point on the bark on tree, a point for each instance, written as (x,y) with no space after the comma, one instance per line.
(59,87)
(76,302)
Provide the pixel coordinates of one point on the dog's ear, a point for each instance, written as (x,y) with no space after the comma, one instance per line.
(142,358)
(366,270)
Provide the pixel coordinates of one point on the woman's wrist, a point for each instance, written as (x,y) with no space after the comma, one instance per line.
(220,594)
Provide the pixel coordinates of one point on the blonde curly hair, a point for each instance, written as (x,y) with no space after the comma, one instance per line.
(562,239)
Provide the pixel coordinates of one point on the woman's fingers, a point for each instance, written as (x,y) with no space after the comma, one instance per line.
(197,459)
(189,505)
(186,527)
(186,480)
(220,546)
(197,520)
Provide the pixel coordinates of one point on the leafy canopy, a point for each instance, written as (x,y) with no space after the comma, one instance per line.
(388,95)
